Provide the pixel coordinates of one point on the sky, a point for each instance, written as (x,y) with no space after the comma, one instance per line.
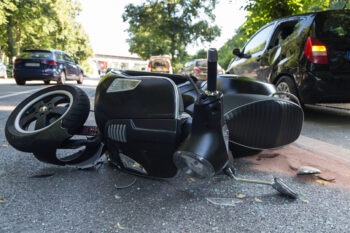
(102,21)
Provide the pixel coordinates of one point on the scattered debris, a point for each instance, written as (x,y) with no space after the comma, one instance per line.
(191,179)
(2,200)
(120,226)
(4,145)
(322,182)
(240,196)
(223,201)
(304,201)
(123,186)
(257,200)
(321,177)
(308,170)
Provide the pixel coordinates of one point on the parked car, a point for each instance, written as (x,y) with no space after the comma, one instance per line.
(3,70)
(160,64)
(307,55)
(198,68)
(46,65)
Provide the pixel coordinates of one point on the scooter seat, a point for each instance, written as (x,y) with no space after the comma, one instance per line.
(262,122)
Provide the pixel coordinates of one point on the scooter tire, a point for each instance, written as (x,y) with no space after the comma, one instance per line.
(38,114)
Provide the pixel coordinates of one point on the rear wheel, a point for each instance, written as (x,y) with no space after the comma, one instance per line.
(62,79)
(20,82)
(39,113)
(80,78)
(286,85)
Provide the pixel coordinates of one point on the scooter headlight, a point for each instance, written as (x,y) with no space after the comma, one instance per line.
(200,166)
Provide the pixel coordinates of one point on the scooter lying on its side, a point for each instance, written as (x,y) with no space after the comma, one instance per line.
(157,125)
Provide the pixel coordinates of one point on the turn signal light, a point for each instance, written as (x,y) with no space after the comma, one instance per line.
(315,51)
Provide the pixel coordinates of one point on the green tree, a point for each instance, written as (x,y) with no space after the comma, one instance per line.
(225,52)
(42,24)
(262,11)
(169,26)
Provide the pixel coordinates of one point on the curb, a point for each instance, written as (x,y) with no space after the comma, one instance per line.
(323,148)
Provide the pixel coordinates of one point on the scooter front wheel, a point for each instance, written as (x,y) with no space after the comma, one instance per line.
(38,116)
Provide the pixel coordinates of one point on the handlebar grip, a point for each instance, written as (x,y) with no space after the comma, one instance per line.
(212,69)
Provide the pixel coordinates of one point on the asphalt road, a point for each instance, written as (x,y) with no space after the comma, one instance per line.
(37,197)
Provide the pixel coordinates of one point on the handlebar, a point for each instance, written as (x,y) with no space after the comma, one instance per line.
(212,70)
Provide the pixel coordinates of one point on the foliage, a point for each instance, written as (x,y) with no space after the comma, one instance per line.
(169,26)
(262,11)
(42,24)
(225,52)
(5,6)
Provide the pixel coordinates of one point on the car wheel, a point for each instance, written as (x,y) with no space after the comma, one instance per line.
(20,82)
(286,85)
(39,114)
(62,79)
(47,82)
(80,78)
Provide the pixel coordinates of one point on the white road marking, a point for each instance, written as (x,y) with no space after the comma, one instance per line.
(19,93)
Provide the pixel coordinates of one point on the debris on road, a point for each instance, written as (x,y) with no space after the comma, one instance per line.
(308,170)
(223,201)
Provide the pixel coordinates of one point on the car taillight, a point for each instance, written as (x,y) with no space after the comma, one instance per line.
(315,51)
(197,70)
(49,62)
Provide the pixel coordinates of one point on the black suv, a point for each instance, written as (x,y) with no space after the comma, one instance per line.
(46,65)
(307,55)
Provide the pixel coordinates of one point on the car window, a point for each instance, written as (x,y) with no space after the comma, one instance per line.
(283,32)
(202,63)
(159,62)
(258,41)
(68,58)
(333,25)
(58,55)
(36,54)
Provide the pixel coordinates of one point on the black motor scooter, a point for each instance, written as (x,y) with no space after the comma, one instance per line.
(157,125)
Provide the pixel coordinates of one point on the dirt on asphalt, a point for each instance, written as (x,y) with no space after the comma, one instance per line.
(332,161)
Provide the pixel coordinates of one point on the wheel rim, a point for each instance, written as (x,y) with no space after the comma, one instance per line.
(283,87)
(43,111)
(63,77)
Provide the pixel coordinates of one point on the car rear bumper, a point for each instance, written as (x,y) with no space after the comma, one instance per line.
(26,75)
(325,89)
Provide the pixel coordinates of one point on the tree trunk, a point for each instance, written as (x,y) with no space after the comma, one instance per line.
(11,42)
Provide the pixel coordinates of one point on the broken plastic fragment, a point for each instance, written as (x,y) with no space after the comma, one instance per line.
(120,226)
(223,201)
(125,181)
(305,201)
(307,170)
(240,196)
